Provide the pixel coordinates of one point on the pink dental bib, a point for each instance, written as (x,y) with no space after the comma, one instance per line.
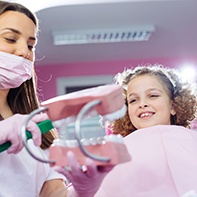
(164,164)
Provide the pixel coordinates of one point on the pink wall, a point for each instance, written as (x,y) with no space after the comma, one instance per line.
(48,74)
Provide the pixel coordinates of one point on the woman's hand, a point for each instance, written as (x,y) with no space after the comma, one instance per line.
(10,130)
(85,182)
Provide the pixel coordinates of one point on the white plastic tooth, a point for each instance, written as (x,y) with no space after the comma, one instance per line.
(113,138)
(59,142)
(100,140)
(116,115)
(93,141)
(120,138)
(110,138)
(71,143)
(65,121)
(85,142)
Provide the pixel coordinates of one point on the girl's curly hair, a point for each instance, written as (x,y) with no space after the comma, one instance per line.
(181,92)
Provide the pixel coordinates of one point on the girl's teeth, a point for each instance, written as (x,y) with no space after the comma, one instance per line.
(145,115)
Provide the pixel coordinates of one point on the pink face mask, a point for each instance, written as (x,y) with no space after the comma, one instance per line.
(14,70)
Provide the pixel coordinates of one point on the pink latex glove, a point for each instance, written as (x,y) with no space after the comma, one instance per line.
(85,183)
(10,130)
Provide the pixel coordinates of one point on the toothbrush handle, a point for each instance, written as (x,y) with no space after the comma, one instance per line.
(44,127)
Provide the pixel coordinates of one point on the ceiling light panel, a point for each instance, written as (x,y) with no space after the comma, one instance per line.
(102,36)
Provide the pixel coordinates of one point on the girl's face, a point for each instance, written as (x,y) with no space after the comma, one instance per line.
(17,34)
(148,102)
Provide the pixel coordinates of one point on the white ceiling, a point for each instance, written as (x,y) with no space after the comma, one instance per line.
(175,23)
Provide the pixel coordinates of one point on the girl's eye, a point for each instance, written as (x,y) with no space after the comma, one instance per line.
(154,95)
(132,100)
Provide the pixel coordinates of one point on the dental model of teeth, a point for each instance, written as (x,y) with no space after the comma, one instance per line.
(107,101)
(111,146)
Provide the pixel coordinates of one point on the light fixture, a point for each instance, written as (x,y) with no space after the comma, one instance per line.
(108,35)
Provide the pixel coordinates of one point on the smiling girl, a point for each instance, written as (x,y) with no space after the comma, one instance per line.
(155,95)
(160,108)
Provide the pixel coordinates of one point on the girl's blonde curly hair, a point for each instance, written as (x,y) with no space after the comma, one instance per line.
(181,92)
